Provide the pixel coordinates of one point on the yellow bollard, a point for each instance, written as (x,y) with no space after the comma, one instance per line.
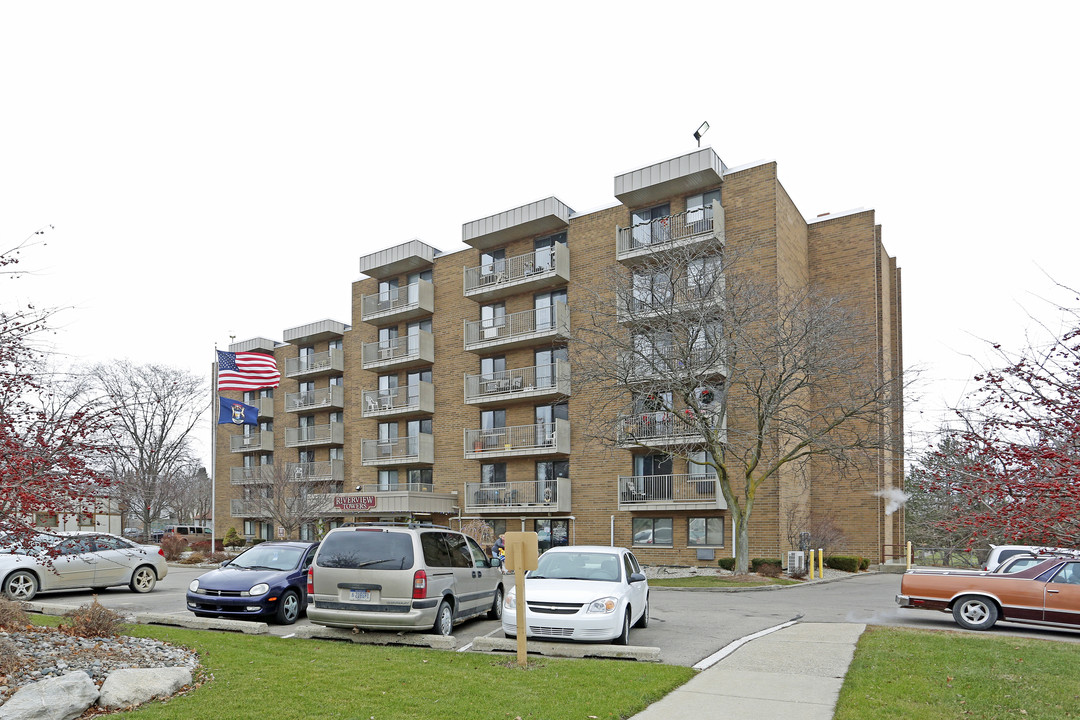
(821,563)
(908,554)
(810,565)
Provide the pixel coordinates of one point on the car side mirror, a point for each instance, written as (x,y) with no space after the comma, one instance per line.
(637,577)
(224,563)
(496,561)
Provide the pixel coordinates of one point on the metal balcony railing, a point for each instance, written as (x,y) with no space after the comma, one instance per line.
(315,363)
(532,381)
(415,449)
(539,438)
(416,348)
(258,475)
(318,471)
(681,295)
(255,442)
(412,300)
(519,327)
(515,274)
(670,231)
(674,489)
(545,495)
(417,398)
(664,428)
(329,434)
(327,397)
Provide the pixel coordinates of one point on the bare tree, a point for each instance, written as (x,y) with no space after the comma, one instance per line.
(288,496)
(192,498)
(157,408)
(694,350)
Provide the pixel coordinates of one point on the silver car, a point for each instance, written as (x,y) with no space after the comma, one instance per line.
(82,560)
(401,577)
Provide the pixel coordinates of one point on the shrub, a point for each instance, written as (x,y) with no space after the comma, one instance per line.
(769,569)
(10,657)
(194,558)
(216,557)
(172,546)
(847,563)
(93,620)
(202,546)
(256,541)
(756,563)
(864,563)
(232,538)
(727,563)
(12,615)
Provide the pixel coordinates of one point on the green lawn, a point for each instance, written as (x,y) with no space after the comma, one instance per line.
(711,581)
(269,678)
(931,675)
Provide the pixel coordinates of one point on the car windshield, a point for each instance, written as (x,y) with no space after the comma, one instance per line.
(269,557)
(374,550)
(577,566)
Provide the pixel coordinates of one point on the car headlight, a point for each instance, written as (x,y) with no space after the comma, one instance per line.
(260,589)
(194,586)
(603,605)
(510,601)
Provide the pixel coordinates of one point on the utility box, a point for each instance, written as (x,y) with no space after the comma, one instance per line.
(796,562)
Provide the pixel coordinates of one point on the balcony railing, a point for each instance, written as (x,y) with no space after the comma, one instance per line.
(538,439)
(327,397)
(401,352)
(529,272)
(656,429)
(318,471)
(527,327)
(666,360)
(414,450)
(694,491)
(405,303)
(684,229)
(329,434)
(540,495)
(258,475)
(400,401)
(255,442)
(682,295)
(329,361)
(537,381)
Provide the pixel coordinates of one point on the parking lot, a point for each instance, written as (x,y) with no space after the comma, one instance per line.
(688,626)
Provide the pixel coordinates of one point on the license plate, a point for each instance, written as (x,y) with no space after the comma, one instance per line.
(360,595)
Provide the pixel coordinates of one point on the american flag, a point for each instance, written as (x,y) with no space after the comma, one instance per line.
(246,371)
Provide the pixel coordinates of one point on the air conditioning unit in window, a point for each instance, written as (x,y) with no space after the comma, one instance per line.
(796,562)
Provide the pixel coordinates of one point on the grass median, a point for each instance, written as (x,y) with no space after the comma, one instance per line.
(929,675)
(720,581)
(262,677)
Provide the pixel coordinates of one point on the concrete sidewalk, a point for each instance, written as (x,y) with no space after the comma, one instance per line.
(794,673)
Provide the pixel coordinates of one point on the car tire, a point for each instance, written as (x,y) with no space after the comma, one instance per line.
(643,621)
(508,636)
(143,579)
(624,636)
(98,589)
(496,611)
(20,586)
(444,620)
(974,612)
(288,609)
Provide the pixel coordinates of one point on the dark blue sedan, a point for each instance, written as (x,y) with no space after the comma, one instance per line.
(269,579)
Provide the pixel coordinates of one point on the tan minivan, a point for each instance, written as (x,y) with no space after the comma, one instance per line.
(397,576)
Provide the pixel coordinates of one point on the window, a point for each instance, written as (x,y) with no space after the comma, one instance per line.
(544,251)
(545,360)
(652,290)
(86,520)
(492,264)
(492,317)
(337,381)
(653,531)
(650,225)
(47,520)
(266,393)
(547,476)
(307,354)
(420,479)
(249,527)
(704,532)
(552,533)
(387,342)
(412,283)
(703,277)
(388,479)
(412,382)
(388,293)
(544,307)
(699,213)
(336,344)
(414,329)
(493,473)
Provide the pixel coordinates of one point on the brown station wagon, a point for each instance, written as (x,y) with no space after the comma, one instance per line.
(1047,593)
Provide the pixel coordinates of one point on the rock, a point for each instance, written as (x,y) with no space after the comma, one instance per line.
(133,686)
(61,698)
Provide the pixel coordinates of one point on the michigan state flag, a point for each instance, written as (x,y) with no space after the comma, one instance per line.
(237,413)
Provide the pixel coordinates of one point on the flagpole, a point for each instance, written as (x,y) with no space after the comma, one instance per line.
(213,452)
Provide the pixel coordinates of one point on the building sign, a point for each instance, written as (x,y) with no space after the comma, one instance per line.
(354,502)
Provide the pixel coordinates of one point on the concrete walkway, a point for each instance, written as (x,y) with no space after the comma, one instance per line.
(793,673)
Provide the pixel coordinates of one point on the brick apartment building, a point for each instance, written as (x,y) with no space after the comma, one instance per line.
(451,395)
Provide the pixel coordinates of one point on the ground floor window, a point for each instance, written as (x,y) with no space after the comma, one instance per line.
(552,533)
(86,520)
(249,527)
(653,531)
(48,520)
(705,532)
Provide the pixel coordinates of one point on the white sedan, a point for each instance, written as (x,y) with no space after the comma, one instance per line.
(591,593)
(81,560)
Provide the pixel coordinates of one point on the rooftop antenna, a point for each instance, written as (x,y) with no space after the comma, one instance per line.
(701,131)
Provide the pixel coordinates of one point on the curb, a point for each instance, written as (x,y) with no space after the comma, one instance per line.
(618,652)
(435,642)
(764,588)
(243,626)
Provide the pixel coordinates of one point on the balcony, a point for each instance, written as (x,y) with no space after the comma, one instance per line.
(684,231)
(403,352)
(520,329)
(670,492)
(665,360)
(530,495)
(543,216)
(320,363)
(256,442)
(543,382)
(258,475)
(400,402)
(662,429)
(266,408)
(531,272)
(318,471)
(391,499)
(314,435)
(246,508)
(666,301)
(415,450)
(332,398)
(408,257)
(399,304)
(518,440)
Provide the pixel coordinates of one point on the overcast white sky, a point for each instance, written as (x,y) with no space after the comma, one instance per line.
(192,155)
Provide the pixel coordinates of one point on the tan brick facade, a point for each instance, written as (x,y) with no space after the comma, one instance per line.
(840,256)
